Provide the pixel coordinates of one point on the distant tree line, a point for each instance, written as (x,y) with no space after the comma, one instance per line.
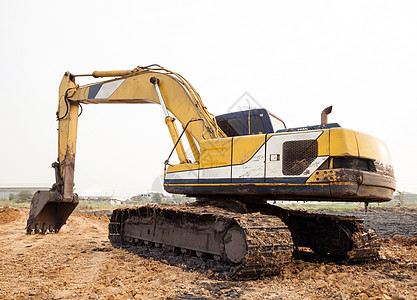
(22,196)
(158,198)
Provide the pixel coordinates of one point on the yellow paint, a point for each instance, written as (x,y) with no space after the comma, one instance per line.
(320,176)
(113,73)
(67,134)
(346,142)
(173,131)
(343,142)
(244,147)
(193,146)
(373,148)
(183,167)
(324,143)
(215,153)
(179,99)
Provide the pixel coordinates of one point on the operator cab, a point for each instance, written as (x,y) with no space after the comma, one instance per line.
(247,122)
(258,121)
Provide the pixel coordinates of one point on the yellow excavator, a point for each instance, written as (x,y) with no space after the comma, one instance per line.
(238,161)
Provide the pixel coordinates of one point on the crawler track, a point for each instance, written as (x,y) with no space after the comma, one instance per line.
(338,237)
(244,240)
(249,244)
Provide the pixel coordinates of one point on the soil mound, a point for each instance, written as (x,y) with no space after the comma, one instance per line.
(8,214)
(92,215)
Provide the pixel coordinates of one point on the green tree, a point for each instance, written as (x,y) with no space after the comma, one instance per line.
(24,196)
(136,198)
(157,198)
(139,200)
(179,199)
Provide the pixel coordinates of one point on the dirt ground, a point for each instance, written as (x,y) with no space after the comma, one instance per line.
(80,263)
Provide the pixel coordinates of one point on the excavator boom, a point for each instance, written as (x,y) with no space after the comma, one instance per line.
(153,84)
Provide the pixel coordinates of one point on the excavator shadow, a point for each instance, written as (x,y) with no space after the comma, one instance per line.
(190,261)
(220,271)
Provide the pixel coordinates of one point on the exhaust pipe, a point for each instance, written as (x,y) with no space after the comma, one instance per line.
(325,113)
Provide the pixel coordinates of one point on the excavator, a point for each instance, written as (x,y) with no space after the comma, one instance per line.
(237,164)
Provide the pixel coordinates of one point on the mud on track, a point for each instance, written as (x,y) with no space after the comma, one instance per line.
(80,263)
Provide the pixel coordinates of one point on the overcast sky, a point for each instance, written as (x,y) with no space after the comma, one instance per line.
(294,57)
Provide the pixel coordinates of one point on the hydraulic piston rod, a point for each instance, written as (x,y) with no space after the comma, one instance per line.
(170,121)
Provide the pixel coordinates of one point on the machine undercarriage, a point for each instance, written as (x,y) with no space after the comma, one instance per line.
(242,239)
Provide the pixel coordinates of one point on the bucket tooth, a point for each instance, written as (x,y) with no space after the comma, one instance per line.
(49,211)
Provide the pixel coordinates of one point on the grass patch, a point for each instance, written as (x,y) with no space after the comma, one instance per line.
(83,205)
(95,205)
(102,205)
(11,203)
(316,206)
(339,206)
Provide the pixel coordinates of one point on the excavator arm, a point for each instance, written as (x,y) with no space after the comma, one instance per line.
(154,84)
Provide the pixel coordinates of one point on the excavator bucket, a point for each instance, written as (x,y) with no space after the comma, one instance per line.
(49,211)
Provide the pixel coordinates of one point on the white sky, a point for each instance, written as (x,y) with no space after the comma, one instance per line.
(293,57)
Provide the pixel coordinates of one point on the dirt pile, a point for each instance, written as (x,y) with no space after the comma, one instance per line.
(80,263)
(8,214)
(93,215)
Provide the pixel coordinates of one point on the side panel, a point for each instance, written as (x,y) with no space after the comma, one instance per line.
(182,173)
(275,158)
(248,158)
(215,153)
(215,175)
(215,160)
